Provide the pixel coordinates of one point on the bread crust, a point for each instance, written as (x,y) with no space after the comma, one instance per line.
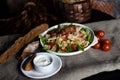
(21,42)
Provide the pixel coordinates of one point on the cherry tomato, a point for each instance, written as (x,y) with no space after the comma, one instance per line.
(64,49)
(98,37)
(97,46)
(73,47)
(106,47)
(106,41)
(50,44)
(100,33)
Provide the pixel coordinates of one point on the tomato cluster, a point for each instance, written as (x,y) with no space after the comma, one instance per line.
(104,44)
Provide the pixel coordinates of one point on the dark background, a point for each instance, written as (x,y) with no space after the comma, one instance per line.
(10,26)
(96,16)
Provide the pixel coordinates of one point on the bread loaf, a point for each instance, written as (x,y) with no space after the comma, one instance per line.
(22,41)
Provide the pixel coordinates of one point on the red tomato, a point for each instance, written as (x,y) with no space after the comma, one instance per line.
(97,46)
(64,49)
(100,33)
(106,41)
(73,47)
(50,44)
(106,47)
(98,37)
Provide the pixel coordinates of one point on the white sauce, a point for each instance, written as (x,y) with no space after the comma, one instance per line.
(43,61)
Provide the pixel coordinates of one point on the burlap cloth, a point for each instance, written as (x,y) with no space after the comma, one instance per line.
(79,66)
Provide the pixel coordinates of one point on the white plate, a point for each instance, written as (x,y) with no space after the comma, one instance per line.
(95,40)
(37,75)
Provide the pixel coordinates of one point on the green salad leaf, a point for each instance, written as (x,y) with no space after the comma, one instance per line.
(44,39)
(81,47)
(46,47)
(69,48)
(84,29)
(90,37)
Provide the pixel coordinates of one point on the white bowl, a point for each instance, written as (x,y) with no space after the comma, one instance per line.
(43,63)
(57,65)
(95,40)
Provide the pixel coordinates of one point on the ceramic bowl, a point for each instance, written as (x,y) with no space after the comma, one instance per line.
(43,63)
(94,40)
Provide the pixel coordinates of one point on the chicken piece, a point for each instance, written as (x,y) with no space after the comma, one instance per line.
(68,29)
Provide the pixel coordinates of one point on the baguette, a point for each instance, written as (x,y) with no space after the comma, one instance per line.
(21,42)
